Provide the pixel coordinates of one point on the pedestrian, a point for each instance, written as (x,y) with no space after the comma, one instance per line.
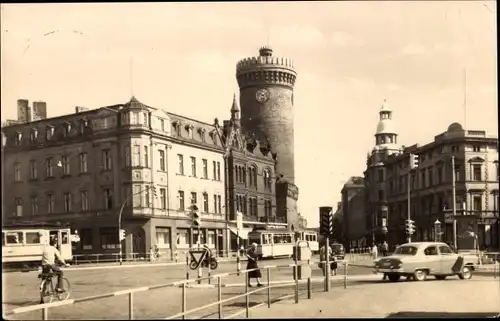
(152,256)
(333,265)
(374,252)
(322,257)
(385,248)
(252,257)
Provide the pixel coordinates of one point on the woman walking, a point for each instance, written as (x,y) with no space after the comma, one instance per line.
(252,264)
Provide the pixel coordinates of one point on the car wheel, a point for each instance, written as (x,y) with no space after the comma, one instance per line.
(440,277)
(466,273)
(394,277)
(420,275)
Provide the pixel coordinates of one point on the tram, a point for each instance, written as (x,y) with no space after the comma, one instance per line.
(311,237)
(22,244)
(273,242)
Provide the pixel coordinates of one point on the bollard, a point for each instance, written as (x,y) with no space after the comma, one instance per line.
(345,274)
(45,313)
(268,287)
(187,266)
(209,280)
(200,274)
(238,264)
(309,283)
(183,301)
(296,270)
(247,297)
(219,295)
(131,306)
(97,260)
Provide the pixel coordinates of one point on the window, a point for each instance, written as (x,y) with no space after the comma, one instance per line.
(14,238)
(50,203)
(381,195)
(33,170)
(202,135)
(67,202)
(145,117)
(431,250)
(267,208)
(422,179)
(445,250)
(162,159)
(211,239)
(476,172)
(84,199)
(457,173)
(146,156)
(66,129)
(32,238)
(205,202)
(454,149)
(49,132)
(194,199)
(193,166)
(218,171)
(195,237)
(86,238)
(135,118)
(34,205)
(108,199)
(136,155)
(267,179)
(182,238)
(477,203)
(65,165)
(215,204)
(109,238)
(17,172)
(180,196)
(127,156)
(83,163)
(214,163)
(106,159)
(163,237)
(180,164)
(219,201)
(162,125)
(163,198)
(380,175)
(189,130)
(147,198)
(34,135)
(252,176)
(439,175)
(136,199)
(253,206)
(476,148)
(431,180)
(205,168)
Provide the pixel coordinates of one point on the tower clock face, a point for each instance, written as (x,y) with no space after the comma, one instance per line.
(262,95)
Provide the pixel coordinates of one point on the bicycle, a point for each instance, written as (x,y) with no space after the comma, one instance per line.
(47,289)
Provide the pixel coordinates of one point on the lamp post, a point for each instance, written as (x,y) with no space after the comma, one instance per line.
(437,231)
(120,218)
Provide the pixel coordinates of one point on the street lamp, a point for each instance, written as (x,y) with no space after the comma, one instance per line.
(437,231)
(120,236)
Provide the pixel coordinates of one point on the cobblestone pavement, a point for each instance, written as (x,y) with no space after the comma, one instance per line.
(432,298)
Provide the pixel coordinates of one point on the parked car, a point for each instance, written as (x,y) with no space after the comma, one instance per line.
(338,251)
(421,259)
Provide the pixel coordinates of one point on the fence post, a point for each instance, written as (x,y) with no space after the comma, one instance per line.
(131,306)
(97,258)
(45,313)
(296,272)
(209,279)
(345,274)
(269,287)
(247,297)
(187,265)
(219,295)
(309,283)
(183,301)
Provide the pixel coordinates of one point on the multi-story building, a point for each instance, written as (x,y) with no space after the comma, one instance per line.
(476,183)
(80,169)
(353,209)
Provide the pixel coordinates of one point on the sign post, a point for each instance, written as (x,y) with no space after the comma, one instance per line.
(326,229)
(239,227)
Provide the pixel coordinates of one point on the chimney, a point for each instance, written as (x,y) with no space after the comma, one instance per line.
(79,109)
(23,111)
(39,110)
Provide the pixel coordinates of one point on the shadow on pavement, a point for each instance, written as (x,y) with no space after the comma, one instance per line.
(21,303)
(445,315)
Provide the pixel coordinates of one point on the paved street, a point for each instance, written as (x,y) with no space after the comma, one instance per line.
(20,289)
(449,298)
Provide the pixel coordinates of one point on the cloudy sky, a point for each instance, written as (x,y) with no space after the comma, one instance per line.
(349,57)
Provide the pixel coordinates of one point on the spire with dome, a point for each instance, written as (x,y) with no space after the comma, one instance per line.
(386,136)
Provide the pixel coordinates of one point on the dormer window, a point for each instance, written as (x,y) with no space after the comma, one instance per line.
(34,135)
(83,126)
(49,132)
(145,116)
(19,137)
(189,129)
(213,136)
(66,129)
(177,128)
(202,131)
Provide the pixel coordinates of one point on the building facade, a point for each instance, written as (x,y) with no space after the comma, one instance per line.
(388,177)
(80,169)
(266,85)
(353,210)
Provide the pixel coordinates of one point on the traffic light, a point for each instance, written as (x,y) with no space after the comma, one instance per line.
(414,161)
(153,190)
(195,215)
(326,220)
(122,234)
(410,227)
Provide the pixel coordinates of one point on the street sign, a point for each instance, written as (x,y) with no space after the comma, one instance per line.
(197,256)
(239,221)
(448,217)
(326,220)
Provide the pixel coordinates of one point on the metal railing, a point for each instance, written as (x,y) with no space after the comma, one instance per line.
(130,293)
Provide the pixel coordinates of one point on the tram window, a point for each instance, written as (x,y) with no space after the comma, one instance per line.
(32,238)
(276,239)
(3,238)
(288,239)
(64,237)
(265,239)
(14,237)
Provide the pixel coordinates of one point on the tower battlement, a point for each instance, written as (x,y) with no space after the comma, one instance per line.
(265,68)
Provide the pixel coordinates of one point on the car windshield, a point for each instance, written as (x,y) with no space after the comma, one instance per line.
(406,250)
(337,247)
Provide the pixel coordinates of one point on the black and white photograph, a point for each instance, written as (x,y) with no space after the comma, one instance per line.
(249,159)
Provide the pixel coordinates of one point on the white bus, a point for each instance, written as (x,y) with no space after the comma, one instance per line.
(311,237)
(273,243)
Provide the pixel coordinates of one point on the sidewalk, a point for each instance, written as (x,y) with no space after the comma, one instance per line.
(364,301)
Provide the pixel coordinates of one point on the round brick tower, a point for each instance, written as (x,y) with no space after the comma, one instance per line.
(266,98)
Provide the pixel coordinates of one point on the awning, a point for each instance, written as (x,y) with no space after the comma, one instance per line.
(243,232)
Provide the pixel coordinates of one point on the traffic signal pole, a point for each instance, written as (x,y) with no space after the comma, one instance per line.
(409,202)
(454,201)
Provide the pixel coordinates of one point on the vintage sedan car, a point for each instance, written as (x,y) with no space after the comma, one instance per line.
(420,259)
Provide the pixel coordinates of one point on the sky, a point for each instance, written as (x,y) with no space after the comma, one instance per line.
(428,59)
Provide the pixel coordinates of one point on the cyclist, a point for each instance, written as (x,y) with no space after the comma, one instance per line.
(49,255)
